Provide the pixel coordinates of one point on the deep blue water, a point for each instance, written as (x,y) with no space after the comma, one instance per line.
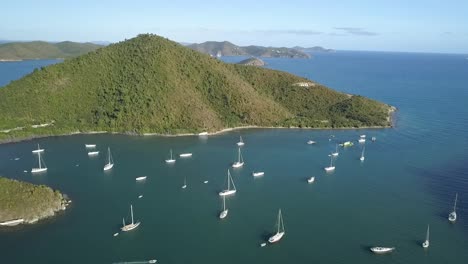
(408,180)
(13,70)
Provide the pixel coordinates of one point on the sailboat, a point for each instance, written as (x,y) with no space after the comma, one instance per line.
(229,191)
(171,160)
(362,154)
(426,243)
(240,161)
(41,162)
(224,213)
(185,183)
(130,226)
(336,153)
(331,167)
(453,215)
(382,250)
(280,232)
(38,150)
(241,142)
(110,162)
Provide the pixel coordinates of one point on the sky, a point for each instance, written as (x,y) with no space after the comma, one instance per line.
(378,25)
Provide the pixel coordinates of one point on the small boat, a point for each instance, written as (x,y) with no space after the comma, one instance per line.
(130,226)
(12,222)
(229,191)
(263,244)
(93,153)
(241,142)
(331,167)
(257,174)
(17,159)
(311,142)
(347,144)
(382,250)
(116,234)
(110,161)
(362,153)
(280,232)
(336,153)
(170,160)
(224,213)
(41,162)
(240,161)
(140,196)
(25,171)
(205,182)
(203,134)
(425,244)
(185,155)
(90,145)
(311,179)
(362,140)
(152,261)
(453,215)
(362,136)
(38,150)
(185,183)
(142,178)
(374,139)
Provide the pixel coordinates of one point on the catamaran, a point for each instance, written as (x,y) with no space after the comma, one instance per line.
(382,250)
(171,160)
(110,162)
(362,154)
(453,215)
(185,183)
(130,226)
(426,243)
(224,213)
(336,153)
(331,167)
(241,142)
(38,150)
(229,191)
(280,232)
(240,161)
(311,179)
(41,162)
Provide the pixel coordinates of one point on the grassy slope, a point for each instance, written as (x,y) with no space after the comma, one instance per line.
(150,84)
(26,200)
(44,50)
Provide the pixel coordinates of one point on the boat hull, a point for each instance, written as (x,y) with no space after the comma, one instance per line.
(311,180)
(130,227)
(329,169)
(257,174)
(93,153)
(36,170)
(170,161)
(238,164)
(382,250)
(38,150)
(185,155)
(227,192)
(223,214)
(140,178)
(277,237)
(108,167)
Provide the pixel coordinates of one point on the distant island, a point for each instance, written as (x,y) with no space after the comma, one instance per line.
(151,85)
(226,48)
(23,202)
(16,51)
(313,49)
(252,62)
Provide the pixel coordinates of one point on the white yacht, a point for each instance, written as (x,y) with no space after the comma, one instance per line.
(229,191)
(331,167)
(38,150)
(311,179)
(110,161)
(362,136)
(311,142)
(280,231)
(240,161)
(382,250)
(453,215)
(93,153)
(258,174)
(185,155)
(170,160)
(42,165)
(224,213)
(362,140)
(241,142)
(90,145)
(141,178)
(426,242)
(130,226)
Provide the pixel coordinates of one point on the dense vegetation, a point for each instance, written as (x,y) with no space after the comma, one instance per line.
(152,85)
(27,201)
(226,48)
(44,50)
(252,62)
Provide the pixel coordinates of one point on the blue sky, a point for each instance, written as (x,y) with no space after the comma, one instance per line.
(420,26)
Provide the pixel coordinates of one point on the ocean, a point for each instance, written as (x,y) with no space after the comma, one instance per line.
(407,181)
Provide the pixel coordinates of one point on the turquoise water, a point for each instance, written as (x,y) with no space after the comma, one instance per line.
(408,180)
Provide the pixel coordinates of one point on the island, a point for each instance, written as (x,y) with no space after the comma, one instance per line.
(151,85)
(17,51)
(313,49)
(226,48)
(23,202)
(252,62)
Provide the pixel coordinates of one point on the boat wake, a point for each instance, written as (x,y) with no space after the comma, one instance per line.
(135,262)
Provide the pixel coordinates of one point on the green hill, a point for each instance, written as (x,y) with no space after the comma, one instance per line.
(44,50)
(149,84)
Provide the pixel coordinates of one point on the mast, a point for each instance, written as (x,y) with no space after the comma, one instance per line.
(427,234)
(231,180)
(224,203)
(131,211)
(455,205)
(363,148)
(331,161)
(108,155)
(171,154)
(39,157)
(241,139)
(279,221)
(123,221)
(239,157)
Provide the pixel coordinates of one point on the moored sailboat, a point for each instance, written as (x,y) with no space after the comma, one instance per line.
(130,226)
(38,150)
(382,250)
(110,161)
(426,242)
(229,191)
(42,165)
(331,167)
(240,161)
(280,231)
(362,154)
(453,215)
(241,142)
(170,160)
(224,213)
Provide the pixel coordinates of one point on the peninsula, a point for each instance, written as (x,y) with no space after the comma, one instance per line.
(23,202)
(149,84)
(15,51)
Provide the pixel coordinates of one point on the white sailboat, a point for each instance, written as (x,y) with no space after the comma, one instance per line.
(258,174)
(311,179)
(171,160)
(110,162)
(229,191)
(453,215)
(280,232)
(331,167)
(224,213)
(240,161)
(130,226)
(185,183)
(38,150)
(90,145)
(426,243)
(382,250)
(336,153)
(41,162)
(93,153)
(362,154)
(241,142)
